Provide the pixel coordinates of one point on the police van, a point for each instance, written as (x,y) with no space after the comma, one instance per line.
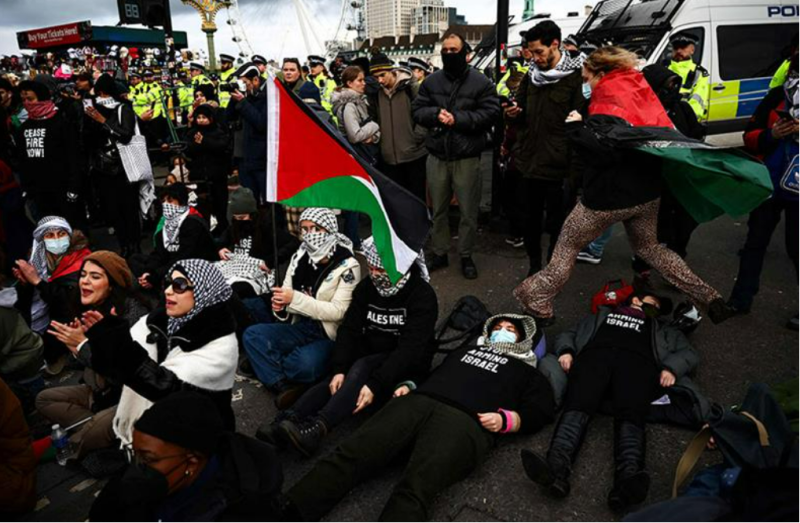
(741,43)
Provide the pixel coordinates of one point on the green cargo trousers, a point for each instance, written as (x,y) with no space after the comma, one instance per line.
(462,177)
(446,445)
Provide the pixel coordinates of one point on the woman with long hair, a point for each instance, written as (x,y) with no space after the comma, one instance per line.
(619,185)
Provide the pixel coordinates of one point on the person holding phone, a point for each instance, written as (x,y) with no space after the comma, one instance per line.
(771,134)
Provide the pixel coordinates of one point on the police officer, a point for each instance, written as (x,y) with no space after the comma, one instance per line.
(419,68)
(695,86)
(135,94)
(319,76)
(261,63)
(198,73)
(185,93)
(225,76)
(519,66)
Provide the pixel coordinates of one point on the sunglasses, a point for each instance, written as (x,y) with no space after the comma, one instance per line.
(179,285)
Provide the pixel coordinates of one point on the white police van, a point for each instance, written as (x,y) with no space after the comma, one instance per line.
(741,44)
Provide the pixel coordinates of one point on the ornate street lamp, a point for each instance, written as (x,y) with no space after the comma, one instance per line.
(208,9)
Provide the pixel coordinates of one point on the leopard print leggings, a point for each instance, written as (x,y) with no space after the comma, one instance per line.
(536,294)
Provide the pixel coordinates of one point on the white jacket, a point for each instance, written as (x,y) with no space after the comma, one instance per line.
(211,367)
(333,297)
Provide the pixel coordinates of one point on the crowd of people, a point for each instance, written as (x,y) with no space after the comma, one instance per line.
(161,295)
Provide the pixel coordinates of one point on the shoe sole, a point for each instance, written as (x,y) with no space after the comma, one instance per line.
(590,261)
(536,469)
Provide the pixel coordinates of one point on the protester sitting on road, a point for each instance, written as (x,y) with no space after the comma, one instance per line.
(247,257)
(20,352)
(448,424)
(17,460)
(352,112)
(386,338)
(628,356)
(772,135)
(310,305)
(106,285)
(187,344)
(184,235)
(618,186)
(188,467)
(208,149)
(48,283)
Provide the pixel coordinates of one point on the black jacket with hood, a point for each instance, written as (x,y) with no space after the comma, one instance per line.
(209,161)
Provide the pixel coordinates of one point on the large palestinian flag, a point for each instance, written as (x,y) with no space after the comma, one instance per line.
(311,165)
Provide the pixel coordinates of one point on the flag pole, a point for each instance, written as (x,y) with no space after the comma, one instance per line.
(275,261)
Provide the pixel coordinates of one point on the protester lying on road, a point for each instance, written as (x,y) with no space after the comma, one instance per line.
(628,354)
(310,305)
(449,423)
(187,467)
(386,338)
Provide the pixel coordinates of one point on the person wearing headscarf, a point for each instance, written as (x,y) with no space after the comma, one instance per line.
(386,338)
(47,146)
(208,149)
(106,285)
(310,305)
(48,287)
(182,234)
(448,424)
(190,343)
(111,121)
(188,467)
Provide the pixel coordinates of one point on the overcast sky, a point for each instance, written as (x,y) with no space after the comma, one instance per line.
(272,26)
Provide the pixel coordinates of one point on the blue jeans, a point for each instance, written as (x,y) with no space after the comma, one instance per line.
(259,310)
(299,353)
(598,246)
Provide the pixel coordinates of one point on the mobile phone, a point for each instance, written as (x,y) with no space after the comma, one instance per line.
(786,115)
(88,103)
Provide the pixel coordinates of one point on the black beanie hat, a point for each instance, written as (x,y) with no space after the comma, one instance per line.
(207,110)
(379,63)
(187,418)
(242,201)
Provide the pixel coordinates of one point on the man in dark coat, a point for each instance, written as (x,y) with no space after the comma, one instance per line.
(459,106)
(251,108)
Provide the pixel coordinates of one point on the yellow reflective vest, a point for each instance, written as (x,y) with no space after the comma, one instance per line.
(502,87)
(695,86)
(200,79)
(326,88)
(138,98)
(153,94)
(780,75)
(224,78)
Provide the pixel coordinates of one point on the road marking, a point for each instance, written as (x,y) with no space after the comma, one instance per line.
(83,485)
(43,502)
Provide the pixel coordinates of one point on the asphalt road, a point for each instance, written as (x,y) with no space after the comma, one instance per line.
(753,348)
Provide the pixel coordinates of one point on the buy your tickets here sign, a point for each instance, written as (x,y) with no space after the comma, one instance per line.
(52,36)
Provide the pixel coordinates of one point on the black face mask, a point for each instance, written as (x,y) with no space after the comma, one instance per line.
(244,228)
(651,311)
(456,63)
(144,485)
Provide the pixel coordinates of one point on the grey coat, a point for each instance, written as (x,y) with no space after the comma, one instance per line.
(671,350)
(352,112)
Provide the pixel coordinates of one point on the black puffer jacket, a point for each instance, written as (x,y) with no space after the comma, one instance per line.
(472,100)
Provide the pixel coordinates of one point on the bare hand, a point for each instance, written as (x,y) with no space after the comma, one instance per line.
(237,95)
(402,391)
(491,421)
(512,111)
(365,398)
(282,297)
(784,128)
(19,276)
(446,118)
(667,379)
(29,272)
(566,362)
(224,254)
(91,318)
(70,335)
(95,115)
(198,138)
(264,267)
(336,383)
(147,115)
(143,282)
(574,116)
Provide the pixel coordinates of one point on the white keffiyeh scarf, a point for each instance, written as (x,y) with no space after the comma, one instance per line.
(565,67)
(322,245)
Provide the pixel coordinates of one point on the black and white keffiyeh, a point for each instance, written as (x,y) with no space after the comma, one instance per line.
(210,289)
(241,267)
(521,350)
(383,284)
(790,87)
(321,245)
(173,219)
(38,252)
(566,66)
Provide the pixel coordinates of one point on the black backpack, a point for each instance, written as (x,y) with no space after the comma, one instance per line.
(466,322)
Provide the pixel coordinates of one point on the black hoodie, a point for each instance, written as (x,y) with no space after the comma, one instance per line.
(47,151)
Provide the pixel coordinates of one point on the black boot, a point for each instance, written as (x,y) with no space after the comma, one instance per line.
(305,436)
(270,431)
(631,482)
(720,311)
(554,471)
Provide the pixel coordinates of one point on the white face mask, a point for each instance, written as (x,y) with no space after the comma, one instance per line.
(57,246)
(587,90)
(106,101)
(503,336)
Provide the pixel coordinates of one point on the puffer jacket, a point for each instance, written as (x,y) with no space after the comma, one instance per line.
(671,351)
(352,112)
(474,103)
(542,150)
(333,295)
